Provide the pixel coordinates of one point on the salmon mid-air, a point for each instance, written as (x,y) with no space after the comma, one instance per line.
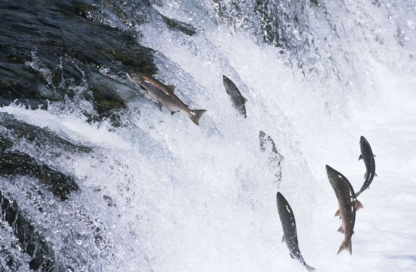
(164,95)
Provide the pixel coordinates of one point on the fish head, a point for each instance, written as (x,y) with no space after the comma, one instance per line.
(226,81)
(282,204)
(332,173)
(333,176)
(146,78)
(135,78)
(280,199)
(363,140)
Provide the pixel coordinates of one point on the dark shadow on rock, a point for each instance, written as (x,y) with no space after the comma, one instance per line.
(280,23)
(40,137)
(30,240)
(15,163)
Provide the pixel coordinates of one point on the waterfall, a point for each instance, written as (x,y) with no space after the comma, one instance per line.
(95,177)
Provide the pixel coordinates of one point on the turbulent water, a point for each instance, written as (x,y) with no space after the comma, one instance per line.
(95,177)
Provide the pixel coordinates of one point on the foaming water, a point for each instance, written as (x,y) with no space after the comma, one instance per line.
(162,194)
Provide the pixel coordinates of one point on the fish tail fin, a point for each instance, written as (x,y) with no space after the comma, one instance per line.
(346,245)
(308,267)
(358,193)
(195,115)
(349,247)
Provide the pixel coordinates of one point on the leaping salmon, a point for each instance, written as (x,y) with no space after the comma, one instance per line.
(235,96)
(289,230)
(164,95)
(370,165)
(348,204)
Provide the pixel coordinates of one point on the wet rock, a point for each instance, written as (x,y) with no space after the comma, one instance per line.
(40,137)
(15,163)
(5,143)
(47,49)
(30,240)
(279,23)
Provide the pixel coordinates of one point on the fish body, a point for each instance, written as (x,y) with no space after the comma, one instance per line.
(370,165)
(164,95)
(348,204)
(289,229)
(235,96)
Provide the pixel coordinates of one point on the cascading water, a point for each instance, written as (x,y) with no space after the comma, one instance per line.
(94,177)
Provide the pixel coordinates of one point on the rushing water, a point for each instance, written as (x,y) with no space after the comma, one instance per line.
(95,177)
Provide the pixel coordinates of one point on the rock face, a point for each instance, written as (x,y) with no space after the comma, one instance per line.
(39,36)
(274,22)
(31,241)
(16,164)
(57,51)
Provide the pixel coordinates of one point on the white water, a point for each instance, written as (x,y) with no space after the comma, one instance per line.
(192,198)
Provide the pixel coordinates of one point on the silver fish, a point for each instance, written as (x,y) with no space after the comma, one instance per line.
(235,96)
(348,205)
(164,95)
(290,236)
(370,165)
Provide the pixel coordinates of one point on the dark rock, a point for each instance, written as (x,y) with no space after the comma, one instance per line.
(5,143)
(273,22)
(15,163)
(30,240)
(48,47)
(40,137)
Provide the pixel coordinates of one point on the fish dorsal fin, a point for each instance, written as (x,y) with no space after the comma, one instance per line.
(360,157)
(338,213)
(244,100)
(341,229)
(171,88)
(358,205)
